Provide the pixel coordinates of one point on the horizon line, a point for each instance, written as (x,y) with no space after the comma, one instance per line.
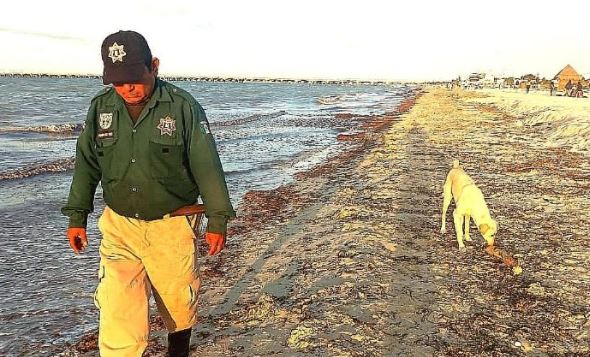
(263,78)
(226,78)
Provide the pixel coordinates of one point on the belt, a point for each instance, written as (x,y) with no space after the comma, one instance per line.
(189,210)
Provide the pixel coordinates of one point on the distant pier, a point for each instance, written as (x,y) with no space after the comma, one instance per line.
(216,79)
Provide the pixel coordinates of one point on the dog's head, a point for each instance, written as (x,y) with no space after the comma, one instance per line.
(488,231)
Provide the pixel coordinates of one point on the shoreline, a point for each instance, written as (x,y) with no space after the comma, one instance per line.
(348,260)
(257,206)
(256,211)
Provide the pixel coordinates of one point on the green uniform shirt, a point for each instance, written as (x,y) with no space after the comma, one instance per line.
(148,169)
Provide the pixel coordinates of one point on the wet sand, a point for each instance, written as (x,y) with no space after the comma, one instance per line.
(349,260)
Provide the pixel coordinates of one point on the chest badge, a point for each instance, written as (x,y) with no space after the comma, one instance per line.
(167,126)
(105,120)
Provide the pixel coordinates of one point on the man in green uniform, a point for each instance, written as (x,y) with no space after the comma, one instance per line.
(149,144)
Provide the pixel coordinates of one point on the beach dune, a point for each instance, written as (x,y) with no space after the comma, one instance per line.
(565,121)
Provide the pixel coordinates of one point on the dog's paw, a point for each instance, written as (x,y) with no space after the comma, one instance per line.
(443,230)
(467,238)
(462,249)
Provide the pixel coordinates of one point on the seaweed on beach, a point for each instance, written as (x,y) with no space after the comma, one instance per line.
(361,269)
(349,259)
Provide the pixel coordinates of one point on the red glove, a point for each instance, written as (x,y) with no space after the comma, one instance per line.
(77,238)
(216,242)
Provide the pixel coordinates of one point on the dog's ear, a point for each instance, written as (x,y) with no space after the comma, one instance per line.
(495,225)
(483,228)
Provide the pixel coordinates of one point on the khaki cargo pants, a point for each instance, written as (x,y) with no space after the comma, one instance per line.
(138,258)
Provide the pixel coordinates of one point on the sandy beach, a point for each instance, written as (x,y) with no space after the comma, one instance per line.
(349,260)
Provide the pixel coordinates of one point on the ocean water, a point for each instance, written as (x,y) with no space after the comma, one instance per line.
(265,133)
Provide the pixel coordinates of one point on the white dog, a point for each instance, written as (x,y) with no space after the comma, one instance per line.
(469,203)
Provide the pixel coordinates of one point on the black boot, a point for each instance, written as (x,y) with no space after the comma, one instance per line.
(179,343)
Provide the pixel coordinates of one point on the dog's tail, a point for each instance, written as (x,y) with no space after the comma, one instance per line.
(455,164)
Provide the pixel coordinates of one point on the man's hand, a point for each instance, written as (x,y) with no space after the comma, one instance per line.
(216,242)
(77,238)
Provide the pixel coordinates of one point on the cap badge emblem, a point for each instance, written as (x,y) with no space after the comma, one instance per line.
(117,52)
(105,120)
(167,126)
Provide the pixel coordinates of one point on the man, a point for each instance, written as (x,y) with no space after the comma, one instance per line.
(569,88)
(579,90)
(149,144)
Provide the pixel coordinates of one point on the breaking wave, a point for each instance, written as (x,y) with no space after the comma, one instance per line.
(60,165)
(241,171)
(329,99)
(250,119)
(68,128)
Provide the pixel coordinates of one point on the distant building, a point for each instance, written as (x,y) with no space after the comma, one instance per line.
(475,77)
(568,73)
(474,80)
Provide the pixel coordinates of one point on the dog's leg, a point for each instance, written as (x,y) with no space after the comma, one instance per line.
(446,202)
(458,218)
(467,220)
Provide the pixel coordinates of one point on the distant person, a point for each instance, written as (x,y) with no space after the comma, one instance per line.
(148,142)
(527,87)
(551,88)
(579,90)
(568,88)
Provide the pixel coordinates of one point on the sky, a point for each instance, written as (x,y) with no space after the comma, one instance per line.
(409,40)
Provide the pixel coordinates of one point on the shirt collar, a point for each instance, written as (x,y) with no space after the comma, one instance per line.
(160,93)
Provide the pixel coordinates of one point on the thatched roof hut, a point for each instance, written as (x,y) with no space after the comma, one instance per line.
(568,73)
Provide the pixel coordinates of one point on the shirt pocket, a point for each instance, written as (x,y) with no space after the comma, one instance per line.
(166,156)
(105,153)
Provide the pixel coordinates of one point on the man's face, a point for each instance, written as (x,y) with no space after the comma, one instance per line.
(135,93)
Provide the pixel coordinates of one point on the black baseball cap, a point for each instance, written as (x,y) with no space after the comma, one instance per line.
(125,56)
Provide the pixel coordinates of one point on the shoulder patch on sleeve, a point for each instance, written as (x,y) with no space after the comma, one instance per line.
(204,126)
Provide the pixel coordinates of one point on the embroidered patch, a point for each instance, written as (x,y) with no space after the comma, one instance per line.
(105,120)
(167,126)
(205,128)
(105,134)
(117,52)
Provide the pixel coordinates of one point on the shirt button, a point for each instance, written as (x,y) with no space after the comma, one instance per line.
(132,161)
(134,131)
(134,189)
(136,215)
